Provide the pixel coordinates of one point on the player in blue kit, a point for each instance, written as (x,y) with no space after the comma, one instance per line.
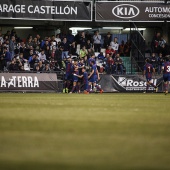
(166,74)
(148,72)
(85,80)
(75,78)
(93,77)
(68,75)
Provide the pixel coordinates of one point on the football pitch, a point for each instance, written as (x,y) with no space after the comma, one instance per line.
(84,132)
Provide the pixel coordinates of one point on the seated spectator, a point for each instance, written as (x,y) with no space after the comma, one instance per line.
(90,52)
(47,68)
(42,56)
(41,66)
(118,64)
(110,66)
(37,68)
(101,56)
(110,51)
(15,65)
(33,59)
(83,52)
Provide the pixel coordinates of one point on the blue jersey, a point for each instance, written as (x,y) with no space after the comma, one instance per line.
(94,67)
(69,67)
(94,75)
(91,59)
(149,70)
(80,65)
(166,71)
(85,78)
(166,66)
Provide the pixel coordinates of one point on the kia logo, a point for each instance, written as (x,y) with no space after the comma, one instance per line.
(125,11)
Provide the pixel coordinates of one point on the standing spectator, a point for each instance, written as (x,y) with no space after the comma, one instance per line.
(107,40)
(118,63)
(88,37)
(88,45)
(29,43)
(160,62)
(164,50)
(1,38)
(5,58)
(77,37)
(97,41)
(70,37)
(58,57)
(58,39)
(153,60)
(12,46)
(7,35)
(36,44)
(127,48)
(73,50)
(65,45)
(121,48)
(115,45)
(83,40)
(155,42)
(110,66)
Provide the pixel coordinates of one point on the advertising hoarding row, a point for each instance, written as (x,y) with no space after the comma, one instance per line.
(105,11)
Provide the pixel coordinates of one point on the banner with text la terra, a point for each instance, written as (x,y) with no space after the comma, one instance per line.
(29,82)
(46,10)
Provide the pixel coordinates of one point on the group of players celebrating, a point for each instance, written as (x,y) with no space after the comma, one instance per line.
(77,78)
(149,70)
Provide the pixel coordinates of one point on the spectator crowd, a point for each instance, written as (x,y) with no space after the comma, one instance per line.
(51,53)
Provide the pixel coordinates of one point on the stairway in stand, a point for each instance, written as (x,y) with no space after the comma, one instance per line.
(127,64)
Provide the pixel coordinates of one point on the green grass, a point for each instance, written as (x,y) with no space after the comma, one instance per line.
(84,132)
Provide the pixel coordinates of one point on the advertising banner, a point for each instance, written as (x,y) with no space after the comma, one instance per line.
(132,11)
(129,83)
(46,10)
(29,82)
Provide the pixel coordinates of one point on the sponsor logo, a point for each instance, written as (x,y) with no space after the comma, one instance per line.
(132,85)
(125,11)
(19,81)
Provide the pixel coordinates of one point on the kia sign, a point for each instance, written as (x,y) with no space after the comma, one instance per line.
(132,11)
(46,10)
(125,11)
